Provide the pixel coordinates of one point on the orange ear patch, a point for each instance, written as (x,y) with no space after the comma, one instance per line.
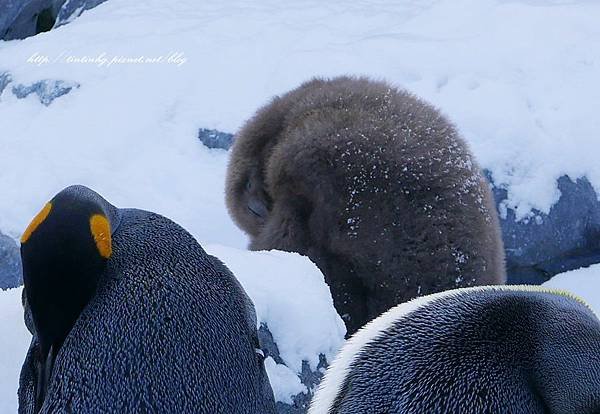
(37,220)
(100,228)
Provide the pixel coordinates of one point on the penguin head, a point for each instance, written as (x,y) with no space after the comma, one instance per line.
(65,250)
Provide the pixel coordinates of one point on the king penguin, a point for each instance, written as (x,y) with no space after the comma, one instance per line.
(504,350)
(130,315)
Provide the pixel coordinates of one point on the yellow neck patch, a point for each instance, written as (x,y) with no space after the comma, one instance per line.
(37,220)
(100,228)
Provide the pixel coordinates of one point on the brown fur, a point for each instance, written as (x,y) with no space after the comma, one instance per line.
(372,184)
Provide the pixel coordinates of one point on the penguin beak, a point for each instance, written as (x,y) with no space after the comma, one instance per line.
(258,208)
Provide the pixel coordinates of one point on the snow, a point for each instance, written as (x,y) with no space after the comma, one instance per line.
(291,297)
(519,78)
(584,282)
(288,383)
(14,343)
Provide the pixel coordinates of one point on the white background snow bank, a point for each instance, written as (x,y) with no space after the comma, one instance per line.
(518,77)
(584,283)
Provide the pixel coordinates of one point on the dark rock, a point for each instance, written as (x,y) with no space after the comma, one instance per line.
(23,18)
(73,9)
(11,275)
(308,377)
(215,139)
(566,238)
(267,344)
(5,79)
(46,90)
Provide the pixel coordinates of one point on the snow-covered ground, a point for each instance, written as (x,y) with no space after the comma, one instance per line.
(519,78)
(14,343)
(584,282)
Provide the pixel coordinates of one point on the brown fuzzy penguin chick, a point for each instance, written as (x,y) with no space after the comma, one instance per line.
(371,183)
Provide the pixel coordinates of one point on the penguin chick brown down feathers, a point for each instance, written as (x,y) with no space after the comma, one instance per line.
(130,315)
(522,350)
(372,184)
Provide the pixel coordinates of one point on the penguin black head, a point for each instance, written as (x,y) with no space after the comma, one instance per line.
(64,251)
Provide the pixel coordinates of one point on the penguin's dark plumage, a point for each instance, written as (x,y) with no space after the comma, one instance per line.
(518,349)
(64,253)
(156,325)
(372,184)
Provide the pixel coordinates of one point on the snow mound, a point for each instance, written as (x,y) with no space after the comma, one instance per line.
(584,283)
(287,383)
(292,299)
(14,344)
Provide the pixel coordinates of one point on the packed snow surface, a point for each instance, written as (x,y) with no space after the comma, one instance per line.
(584,282)
(519,78)
(288,383)
(14,343)
(290,295)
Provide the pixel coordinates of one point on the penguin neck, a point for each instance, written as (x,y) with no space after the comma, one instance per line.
(57,305)
(57,293)
(56,302)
